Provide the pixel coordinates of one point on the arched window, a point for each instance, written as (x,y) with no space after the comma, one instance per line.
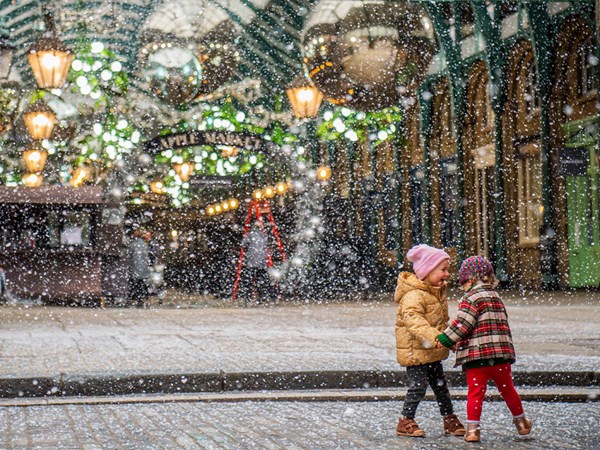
(529,193)
(587,62)
(532,99)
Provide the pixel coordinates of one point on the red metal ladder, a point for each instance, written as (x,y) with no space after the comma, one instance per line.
(257,208)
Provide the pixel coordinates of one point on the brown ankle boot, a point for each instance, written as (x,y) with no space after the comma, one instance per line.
(472,433)
(453,426)
(408,427)
(523,425)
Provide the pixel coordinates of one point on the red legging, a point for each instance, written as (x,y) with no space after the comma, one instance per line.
(477,379)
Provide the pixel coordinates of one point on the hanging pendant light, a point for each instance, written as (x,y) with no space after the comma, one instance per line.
(49,58)
(35,159)
(6,56)
(305,98)
(39,119)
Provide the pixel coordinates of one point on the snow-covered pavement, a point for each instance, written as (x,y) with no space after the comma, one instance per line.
(552,332)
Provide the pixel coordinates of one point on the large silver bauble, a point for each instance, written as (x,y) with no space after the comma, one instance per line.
(219,57)
(361,53)
(174,75)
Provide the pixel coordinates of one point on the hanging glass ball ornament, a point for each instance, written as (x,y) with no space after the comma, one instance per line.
(361,53)
(219,57)
(173,74)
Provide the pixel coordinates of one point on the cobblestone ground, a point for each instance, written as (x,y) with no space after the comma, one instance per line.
(284,425)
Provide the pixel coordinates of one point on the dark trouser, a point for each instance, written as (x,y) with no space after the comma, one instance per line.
(258,279)
(138,291)
(419,377)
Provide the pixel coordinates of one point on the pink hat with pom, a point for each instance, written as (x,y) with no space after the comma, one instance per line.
(425,259)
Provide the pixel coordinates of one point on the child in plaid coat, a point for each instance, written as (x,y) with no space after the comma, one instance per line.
(483,343)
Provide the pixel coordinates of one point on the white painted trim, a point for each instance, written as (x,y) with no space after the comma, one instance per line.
(556,7)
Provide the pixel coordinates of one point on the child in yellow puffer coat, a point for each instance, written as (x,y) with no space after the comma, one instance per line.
(421,316)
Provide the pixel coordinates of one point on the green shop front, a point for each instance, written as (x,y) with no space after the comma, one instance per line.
(579,166)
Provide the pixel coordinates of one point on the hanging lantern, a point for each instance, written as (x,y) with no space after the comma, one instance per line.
(33,179)
(304,98)
(323,173)
(269,192)
(157,186)
(49,58)
(35,159)
(6,56)
(184,170)
(39,119)
(80,175)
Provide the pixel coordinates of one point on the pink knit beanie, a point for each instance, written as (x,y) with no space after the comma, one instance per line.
(425,259)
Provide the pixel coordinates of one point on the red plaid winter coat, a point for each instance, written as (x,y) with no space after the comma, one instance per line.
(481,329)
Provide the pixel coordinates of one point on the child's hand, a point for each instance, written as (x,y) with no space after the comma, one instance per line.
(438,344)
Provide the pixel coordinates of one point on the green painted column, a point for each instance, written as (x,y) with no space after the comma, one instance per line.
(496,62)
(452,53)
(398,147)
(425,124)
(543,44)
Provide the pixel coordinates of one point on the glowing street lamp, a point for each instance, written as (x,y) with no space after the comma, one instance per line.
(39,119)
(233,203)
(35,159)
(49,58)
(257,194)
(304,98)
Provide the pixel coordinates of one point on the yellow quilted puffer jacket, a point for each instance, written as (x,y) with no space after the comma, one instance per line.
(422,315)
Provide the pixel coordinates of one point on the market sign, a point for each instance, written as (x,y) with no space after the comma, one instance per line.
(211,181)
(246,141)
(573,161)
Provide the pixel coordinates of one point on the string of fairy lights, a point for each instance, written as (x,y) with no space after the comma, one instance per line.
(265,193)
(323,174)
